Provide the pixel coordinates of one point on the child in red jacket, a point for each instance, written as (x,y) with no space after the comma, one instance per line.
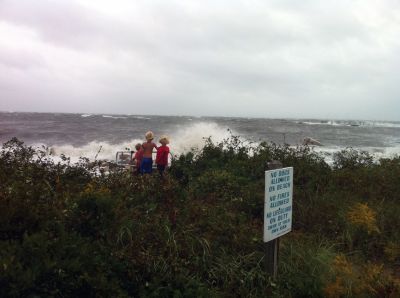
(138,157)
(162,155)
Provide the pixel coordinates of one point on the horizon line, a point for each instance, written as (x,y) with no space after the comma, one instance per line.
(201,116)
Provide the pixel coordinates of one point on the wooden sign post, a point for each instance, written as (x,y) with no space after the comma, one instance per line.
(277,211)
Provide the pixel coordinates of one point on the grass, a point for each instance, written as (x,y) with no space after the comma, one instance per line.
(66,232)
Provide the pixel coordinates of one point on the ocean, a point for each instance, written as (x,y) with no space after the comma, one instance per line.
(77,135)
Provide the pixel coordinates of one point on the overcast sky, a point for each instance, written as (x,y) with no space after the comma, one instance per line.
(298,59)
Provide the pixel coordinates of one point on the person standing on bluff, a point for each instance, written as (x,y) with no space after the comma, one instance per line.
(162,155)
(147,161)
(137,159)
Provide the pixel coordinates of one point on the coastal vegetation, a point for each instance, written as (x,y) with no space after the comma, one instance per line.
(71,230)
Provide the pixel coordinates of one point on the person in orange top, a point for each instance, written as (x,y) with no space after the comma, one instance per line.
(147,161)
(162,155)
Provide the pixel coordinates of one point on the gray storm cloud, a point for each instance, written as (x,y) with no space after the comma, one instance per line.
(230,58)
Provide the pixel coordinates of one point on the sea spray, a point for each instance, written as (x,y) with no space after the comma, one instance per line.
(78,135)
(195,135)
(191,137)
(90,150)
(182,140)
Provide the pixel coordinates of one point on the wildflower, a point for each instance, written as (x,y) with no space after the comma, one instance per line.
(344,272)
(392,251)
(89,188)
(360,215)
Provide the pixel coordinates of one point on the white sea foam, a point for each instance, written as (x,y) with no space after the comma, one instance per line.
(331,123)
(86,115)
(366,123)
(103,150)
(381,124)
(189,137)
(376,152)
(114,117)
(194,136)
(182,140)
(142,117)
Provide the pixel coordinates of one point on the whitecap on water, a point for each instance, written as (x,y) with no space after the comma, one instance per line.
(114,117)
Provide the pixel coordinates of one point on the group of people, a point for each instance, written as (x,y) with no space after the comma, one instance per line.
(144,154)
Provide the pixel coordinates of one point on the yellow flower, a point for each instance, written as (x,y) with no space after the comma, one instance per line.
(344,272)
(342,265)
(360,215)
(335,289)
(92,189)
(392,251)
(89,188)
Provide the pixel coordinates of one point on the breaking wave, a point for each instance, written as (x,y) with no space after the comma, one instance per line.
(191,137)
(182,140)
(114,117)
(355,123)
(142,117)
(376,152)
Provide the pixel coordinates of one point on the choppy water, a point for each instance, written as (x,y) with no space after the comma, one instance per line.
(78,135)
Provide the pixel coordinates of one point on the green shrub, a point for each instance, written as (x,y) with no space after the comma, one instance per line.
(305,266)
(66,230)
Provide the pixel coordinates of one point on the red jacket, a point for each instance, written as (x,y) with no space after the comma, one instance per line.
(139,157)
(162,155)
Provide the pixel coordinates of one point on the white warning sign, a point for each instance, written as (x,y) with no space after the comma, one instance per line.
(278,203)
